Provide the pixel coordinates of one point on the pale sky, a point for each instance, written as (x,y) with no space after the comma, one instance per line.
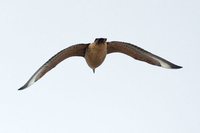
(124,95)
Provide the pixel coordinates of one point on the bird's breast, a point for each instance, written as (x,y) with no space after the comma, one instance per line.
(95,54)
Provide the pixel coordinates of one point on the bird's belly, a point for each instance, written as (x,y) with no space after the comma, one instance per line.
(95,58)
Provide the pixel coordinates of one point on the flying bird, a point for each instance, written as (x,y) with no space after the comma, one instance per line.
(95,53)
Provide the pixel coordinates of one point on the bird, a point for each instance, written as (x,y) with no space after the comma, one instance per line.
(95,54)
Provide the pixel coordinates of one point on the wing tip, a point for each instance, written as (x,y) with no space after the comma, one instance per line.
(22,88)
(170,65)
(176,66)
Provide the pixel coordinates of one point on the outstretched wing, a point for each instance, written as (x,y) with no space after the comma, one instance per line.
(139,54)
(74,50)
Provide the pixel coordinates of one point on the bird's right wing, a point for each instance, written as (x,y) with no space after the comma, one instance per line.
(74,50)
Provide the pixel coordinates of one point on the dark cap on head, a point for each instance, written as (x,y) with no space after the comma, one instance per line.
(100,40)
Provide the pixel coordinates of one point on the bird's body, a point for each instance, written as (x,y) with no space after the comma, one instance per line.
(95,53)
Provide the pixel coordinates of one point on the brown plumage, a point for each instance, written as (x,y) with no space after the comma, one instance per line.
(95,53)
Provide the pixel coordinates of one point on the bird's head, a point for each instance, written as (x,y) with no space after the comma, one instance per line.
(100,40)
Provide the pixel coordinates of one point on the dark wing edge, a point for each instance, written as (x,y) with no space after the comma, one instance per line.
(139,54)
(74,50)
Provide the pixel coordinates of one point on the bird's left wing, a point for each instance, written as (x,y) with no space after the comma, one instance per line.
(74,50)
(139,54)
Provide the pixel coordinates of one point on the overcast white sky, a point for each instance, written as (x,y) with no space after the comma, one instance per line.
(124,95)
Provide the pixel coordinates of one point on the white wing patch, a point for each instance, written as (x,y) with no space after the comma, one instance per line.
(33,79)
(162,63)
